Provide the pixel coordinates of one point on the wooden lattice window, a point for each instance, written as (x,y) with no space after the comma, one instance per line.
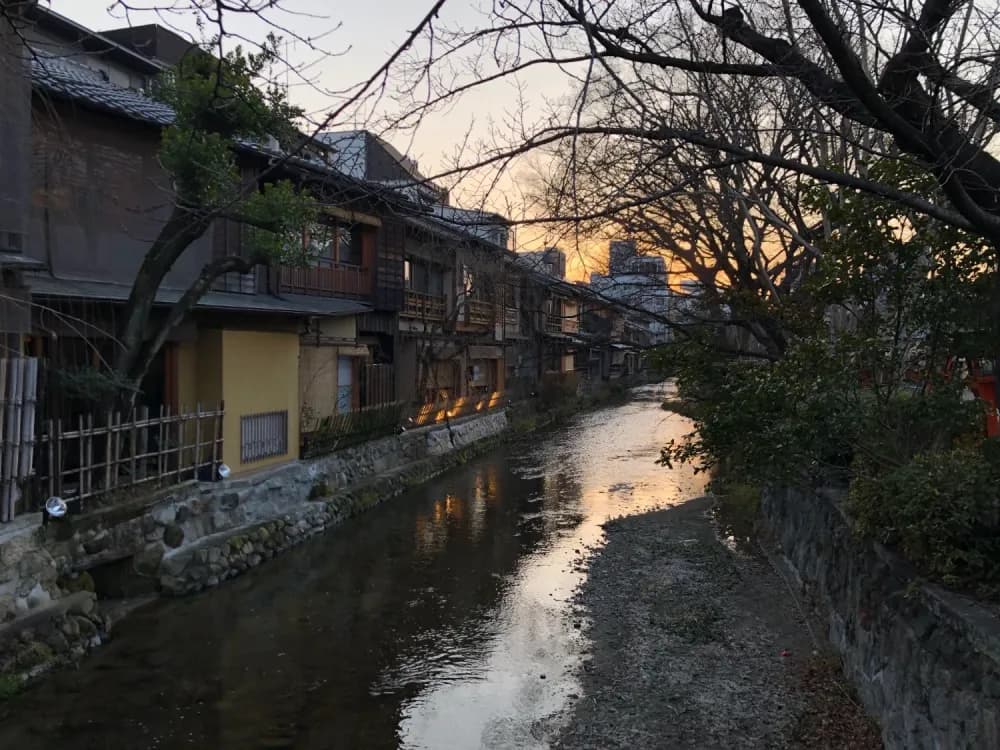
(263,435)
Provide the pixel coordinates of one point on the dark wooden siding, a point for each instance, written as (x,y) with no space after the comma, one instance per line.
(15,124)
(389,265)
(99,196)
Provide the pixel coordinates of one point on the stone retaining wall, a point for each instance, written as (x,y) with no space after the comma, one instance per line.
(197,534)
(56,632)
(925,661)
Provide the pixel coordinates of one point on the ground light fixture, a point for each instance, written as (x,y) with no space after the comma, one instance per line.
(224,471)
(55,507)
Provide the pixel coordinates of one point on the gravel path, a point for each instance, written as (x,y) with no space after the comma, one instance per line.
(698,646)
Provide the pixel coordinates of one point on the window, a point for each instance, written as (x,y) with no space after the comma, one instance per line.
(435,282)
(423,278)
(340,243)
(349,243)
(263,435)
(318,241)
(345,381)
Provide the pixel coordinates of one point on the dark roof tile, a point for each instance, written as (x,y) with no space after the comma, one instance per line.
(60,76)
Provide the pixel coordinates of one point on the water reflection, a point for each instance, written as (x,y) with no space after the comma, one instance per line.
(428,623)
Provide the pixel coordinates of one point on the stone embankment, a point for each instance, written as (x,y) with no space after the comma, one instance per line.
(925,661)
(196,535)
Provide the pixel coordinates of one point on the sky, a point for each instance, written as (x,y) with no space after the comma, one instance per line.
(359,36)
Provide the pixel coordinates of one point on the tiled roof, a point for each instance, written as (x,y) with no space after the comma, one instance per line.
(288,304)
(65,78)
(62,77)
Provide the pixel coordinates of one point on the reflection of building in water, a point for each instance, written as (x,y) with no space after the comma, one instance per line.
(455,516)
(431,529)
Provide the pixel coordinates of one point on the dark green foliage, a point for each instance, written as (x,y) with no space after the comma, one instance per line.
(219,104)
(10,685)
(769,421)
(941,510)
(319,490)
(558,390)
(868,400)
(87,384)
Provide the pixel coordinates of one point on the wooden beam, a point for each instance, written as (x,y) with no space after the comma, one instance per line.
(354,217)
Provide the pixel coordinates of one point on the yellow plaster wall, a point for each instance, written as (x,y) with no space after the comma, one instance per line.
(318,379)
(188,376)
(345,328)
(318,382)
(260,373)
(207,369)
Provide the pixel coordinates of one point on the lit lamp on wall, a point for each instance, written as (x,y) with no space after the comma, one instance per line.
(55,507)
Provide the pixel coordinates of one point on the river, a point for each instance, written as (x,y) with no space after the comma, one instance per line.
(441,619)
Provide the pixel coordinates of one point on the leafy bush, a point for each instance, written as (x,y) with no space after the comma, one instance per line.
(858,390)
(941,509)
(769,421)
(10,685)
(558,389)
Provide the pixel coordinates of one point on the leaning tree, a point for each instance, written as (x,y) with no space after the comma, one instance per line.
(914,83)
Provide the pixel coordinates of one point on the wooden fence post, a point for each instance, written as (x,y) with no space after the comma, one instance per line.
(6,481)
(196,458)
(57,437)
(161,446)
(90,454)
(81,455)
(52,457)
(108,445)
(143,446)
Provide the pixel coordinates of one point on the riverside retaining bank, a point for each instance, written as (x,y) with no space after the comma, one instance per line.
(195,535)
(925,661)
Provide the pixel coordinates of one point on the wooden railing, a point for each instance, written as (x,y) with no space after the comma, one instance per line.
(560,324)
(327,279)
(479,313)
(423,306)
(100,456)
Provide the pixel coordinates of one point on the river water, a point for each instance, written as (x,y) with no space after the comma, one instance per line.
(442,619)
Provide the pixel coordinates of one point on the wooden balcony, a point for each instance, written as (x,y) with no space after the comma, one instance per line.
(327,279)
(559,325)
(478,313)
(423,306)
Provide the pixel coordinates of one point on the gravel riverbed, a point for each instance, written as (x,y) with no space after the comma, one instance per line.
(698,645)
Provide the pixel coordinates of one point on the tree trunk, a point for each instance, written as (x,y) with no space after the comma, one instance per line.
(132,362)
(155,339)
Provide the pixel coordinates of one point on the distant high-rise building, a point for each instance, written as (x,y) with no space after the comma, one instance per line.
(639,281)
(620,252)
(551,260)
(652,267)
